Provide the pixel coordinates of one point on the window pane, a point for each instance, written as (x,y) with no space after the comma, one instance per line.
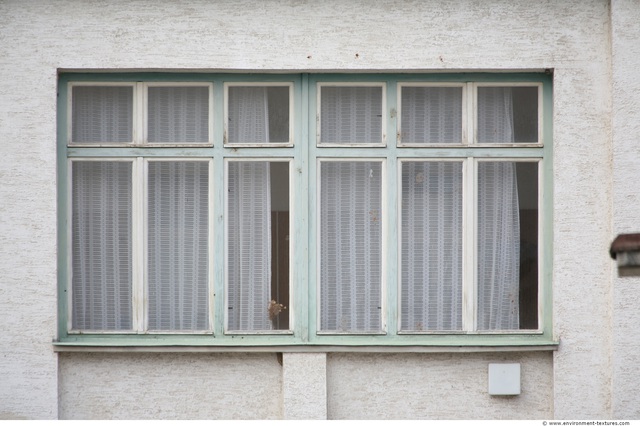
(507,114)
(431,296)
(258,240)
(350,246)
(507,245)
(351,114)
(258,114)
(102,114)
(178,238)
(101,245)
(431,115)
(178,114)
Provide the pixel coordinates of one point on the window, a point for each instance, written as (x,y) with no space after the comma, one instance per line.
(275,210)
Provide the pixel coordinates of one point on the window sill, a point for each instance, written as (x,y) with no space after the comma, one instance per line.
(120,346)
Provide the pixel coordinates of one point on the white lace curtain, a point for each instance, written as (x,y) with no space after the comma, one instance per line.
(101,245)
(351,246)
(350,214)
(431,296)
(498,218)
(177,223)
(431,246)
(102,114)
(249,216)
(178,114)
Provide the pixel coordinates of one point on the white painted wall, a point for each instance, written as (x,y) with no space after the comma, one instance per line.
(625,348)
(435,386)
(170,386)
(593,373)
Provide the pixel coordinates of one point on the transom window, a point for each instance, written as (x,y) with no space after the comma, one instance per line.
(271,210)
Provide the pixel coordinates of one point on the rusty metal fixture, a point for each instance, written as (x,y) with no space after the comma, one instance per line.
(625,249)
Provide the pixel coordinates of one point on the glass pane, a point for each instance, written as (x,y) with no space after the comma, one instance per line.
(507,245)
(258,246)
(431,296)
(350,246)
(178,114)
(507,114)
(178,221)
(350,114)
(258,114)
(102,114)
(431,115)
(101,245)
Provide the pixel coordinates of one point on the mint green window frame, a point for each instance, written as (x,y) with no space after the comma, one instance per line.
(304,152)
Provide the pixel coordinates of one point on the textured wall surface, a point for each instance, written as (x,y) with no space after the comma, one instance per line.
(416,386)
(304,380)
(574,37)
(626,199)
(170,386)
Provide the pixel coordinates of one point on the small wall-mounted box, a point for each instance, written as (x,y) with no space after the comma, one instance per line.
(504,379)
(625,249)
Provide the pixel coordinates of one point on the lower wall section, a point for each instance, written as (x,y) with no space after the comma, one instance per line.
(252,386)
(435,386)
(169,386)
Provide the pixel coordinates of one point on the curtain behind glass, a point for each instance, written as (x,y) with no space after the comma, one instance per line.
(249,215)
(102,114)
(248,114)
(431,296)
(249,246)
(431,286)
(101,245)
(351,246)
(498,218)
(351,115)
(178,221)
(178,114)
(431,115)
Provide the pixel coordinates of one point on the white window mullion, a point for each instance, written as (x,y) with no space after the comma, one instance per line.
(469,286)
(211,245)
(140,114)
(469,244)
(468,115)
(139,245)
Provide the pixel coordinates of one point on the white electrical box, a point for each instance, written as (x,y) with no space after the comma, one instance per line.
(504,379)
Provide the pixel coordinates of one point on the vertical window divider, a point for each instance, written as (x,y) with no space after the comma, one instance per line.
(469,226)
(140,114)
(69,254)
(468,115)
(217,191)
(390,221)
(469,244)
(139,260)
(300,226)
(211,247)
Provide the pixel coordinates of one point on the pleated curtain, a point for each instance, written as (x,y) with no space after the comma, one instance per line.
(431,115)
(431,218)
(431,213)
(351,246)
(351,214)
(249,217)
(178,114)
(351,115)
(498,218)
(101,245)
(102,114)
(177,223)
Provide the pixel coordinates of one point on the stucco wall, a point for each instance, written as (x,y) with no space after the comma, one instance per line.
(170,386)
(626,199)
(573,37)
(434,386)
